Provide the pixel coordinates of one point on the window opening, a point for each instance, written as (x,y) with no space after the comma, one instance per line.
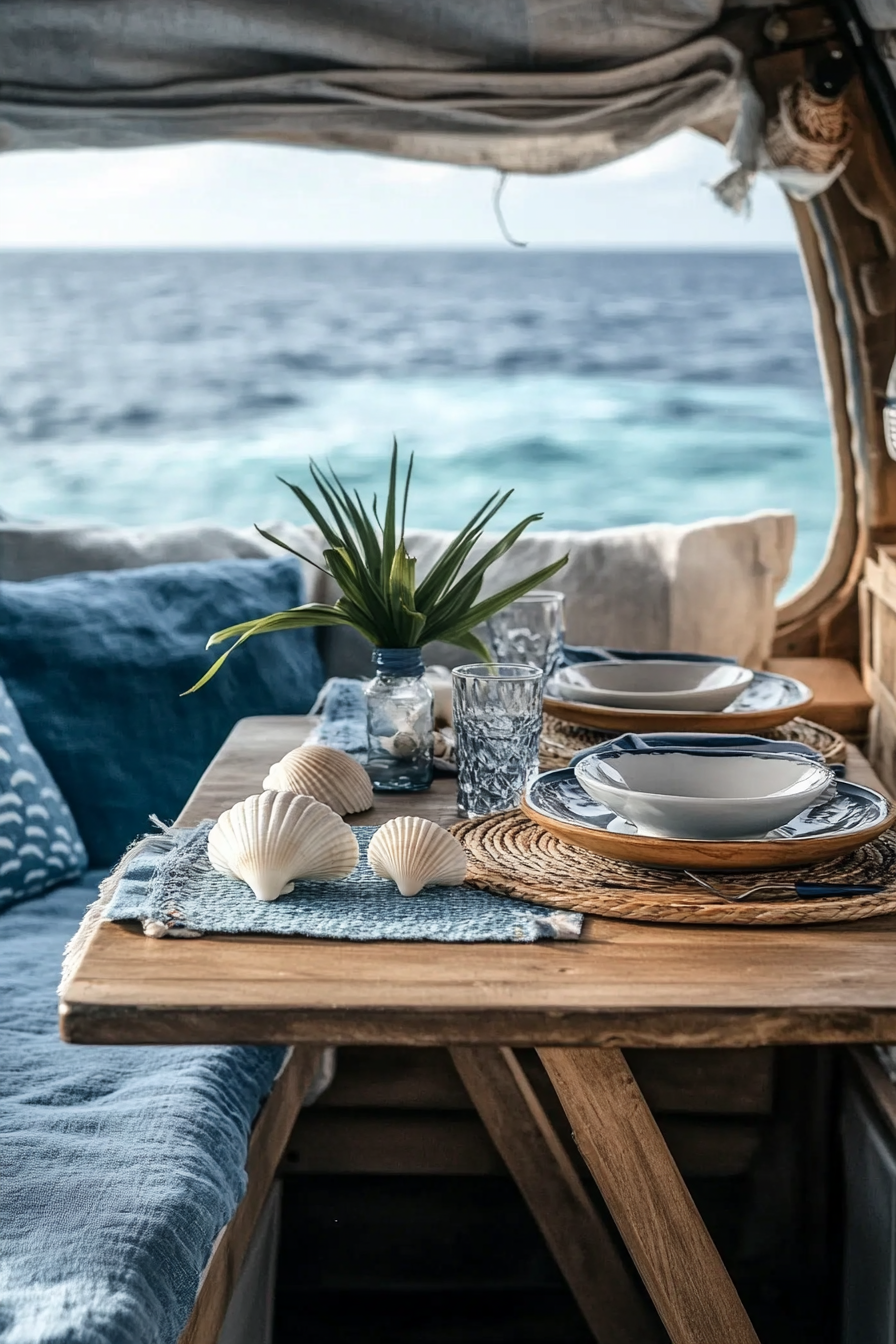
(646,357)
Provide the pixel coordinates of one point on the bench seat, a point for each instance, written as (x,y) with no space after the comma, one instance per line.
(119,1166)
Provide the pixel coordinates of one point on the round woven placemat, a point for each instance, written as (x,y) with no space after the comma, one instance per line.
(510,855)
(560,741)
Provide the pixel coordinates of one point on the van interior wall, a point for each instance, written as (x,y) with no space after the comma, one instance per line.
(848,241)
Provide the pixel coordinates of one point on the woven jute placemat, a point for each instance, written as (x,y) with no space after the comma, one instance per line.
(510,855)
(560,741)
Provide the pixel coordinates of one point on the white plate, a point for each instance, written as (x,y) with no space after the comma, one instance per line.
(699,687)
(701,797)
(768,701)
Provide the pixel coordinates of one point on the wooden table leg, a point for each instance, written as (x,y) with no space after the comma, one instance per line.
(643,1189)
(601,1279)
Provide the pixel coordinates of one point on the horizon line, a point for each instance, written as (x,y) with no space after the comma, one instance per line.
(496,248)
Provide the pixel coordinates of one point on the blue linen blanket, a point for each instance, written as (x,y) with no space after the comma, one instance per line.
(170,886)
(119,1166)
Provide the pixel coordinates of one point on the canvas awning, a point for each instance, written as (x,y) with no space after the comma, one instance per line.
(533,86)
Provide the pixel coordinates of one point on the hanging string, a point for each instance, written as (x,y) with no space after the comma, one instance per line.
(497,193)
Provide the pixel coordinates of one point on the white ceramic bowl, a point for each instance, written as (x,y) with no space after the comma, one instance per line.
(687,797)
(700,687)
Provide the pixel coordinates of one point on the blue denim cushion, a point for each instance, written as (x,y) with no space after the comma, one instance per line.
(96,663)
(39,841)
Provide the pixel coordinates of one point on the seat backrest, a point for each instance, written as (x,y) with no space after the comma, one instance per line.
(707,587)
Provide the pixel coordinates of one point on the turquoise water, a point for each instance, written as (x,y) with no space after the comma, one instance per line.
(606,388)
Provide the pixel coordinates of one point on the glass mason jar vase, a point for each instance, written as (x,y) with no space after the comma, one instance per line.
(399,723)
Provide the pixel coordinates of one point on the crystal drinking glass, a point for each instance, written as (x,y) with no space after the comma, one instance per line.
(530,630)
(497,722)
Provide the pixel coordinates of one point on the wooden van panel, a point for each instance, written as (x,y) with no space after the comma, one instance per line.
(705,1082)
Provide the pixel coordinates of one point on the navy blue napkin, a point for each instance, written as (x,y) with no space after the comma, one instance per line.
(703,744)
(573,654)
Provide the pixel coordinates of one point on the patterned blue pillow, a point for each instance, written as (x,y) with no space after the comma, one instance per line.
(39,841)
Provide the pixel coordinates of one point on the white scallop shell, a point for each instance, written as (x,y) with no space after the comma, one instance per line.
(417,853)
(271,839)
(325,773)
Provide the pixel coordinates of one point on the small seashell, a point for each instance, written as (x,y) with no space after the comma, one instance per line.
(272,838)
(325,773)
(443,744)
(416,853)
(403,745)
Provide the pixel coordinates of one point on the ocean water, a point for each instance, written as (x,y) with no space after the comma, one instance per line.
(604,387)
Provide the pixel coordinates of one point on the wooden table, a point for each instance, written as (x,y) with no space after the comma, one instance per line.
(622,985)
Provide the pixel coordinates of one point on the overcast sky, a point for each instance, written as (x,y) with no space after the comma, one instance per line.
(227,195)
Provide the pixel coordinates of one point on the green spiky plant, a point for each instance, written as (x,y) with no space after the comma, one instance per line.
(381,598)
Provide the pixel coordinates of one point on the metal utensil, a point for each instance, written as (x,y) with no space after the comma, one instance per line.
(795,890)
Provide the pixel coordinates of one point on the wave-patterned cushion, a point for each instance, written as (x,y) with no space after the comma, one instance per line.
(39,841)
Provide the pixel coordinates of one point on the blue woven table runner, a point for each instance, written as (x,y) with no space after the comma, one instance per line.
(343,717)
(171,888)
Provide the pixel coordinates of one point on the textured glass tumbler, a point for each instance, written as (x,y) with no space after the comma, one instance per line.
(529,630)
(497,723)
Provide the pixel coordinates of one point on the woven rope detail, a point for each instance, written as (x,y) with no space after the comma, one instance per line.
(809,132)
(510,855)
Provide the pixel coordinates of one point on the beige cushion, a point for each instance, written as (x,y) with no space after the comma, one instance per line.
(706,587)
(36,551)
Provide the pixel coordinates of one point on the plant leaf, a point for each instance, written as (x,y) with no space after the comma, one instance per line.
(502,546)
(370,531)
(377,577)
(401,592)
(356,584)
(269,536)
(407,490)
(446,568)
(364,529)
(317,609)
(475,645)
(457,602)
(295,619)
(389,519)
(492,605)
(343,529)
(468,587)
(333,537)
(416,627)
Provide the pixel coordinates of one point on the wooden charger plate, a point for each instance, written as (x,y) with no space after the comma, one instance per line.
(761,709)
(558,803)
(708,855)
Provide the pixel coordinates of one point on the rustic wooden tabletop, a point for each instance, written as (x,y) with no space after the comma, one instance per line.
(623,984)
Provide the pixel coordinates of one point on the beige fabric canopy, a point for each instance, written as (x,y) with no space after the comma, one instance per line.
(533,86)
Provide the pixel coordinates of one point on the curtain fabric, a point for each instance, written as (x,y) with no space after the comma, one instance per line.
(534,86)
